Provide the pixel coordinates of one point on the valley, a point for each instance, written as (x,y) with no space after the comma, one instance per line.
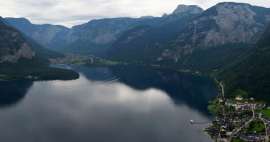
(191,58)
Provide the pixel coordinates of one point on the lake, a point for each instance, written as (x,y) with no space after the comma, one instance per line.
(113,104)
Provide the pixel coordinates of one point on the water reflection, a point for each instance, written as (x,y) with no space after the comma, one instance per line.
(182,88)
(13,92)
(89,109)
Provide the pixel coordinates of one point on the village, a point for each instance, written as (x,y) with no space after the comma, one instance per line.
(239,119)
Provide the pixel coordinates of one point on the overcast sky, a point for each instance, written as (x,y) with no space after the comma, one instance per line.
(73,12)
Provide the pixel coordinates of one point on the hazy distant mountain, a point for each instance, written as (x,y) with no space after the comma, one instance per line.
(49,36)
(93,37)
(22,58)
(96,36)
(206,40)
(146,43)
(251,72)
(187,38)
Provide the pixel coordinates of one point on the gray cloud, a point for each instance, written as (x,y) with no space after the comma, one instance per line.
(72,12)
(42,3)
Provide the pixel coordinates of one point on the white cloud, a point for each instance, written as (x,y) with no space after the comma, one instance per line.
(72,12)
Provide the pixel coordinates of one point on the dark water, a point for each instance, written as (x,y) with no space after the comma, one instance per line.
(119,104)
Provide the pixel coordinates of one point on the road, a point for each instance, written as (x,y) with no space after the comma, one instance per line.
(265,126)
(236,131)
(222,90)
(221,96)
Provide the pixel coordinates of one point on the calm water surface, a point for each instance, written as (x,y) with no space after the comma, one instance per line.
(118,104)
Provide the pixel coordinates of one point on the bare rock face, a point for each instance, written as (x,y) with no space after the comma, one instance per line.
(13,46)
(225,23)
(190,9)
(235,24)
(209,36)
(25,52)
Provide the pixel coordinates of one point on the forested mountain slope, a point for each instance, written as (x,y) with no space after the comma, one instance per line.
(252,72)
(22,59)
(202,41)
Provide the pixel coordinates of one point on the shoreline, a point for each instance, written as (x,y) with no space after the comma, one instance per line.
(43,74)
(230,124)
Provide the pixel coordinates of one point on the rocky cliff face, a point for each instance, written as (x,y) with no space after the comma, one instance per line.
(223,24)
(228,23)
(214,36)
(13,46)
(187,9)
(24,52)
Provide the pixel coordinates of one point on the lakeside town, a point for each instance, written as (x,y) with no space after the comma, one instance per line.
(239,119)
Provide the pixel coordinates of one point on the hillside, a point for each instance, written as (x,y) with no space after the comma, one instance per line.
(251,73)
(22,59)
(49,36)
(94,37)
(146,43)
(202,41)
(188,38)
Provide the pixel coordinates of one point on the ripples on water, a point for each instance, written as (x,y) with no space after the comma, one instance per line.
(107,104)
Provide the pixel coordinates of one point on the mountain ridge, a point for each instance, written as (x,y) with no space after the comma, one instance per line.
(22,59)
(191,9)
(216,28)
(213,37)
(93,35)
(47,35)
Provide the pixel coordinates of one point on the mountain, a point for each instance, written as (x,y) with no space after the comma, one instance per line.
(146,43)
(251,72)
(13,46)
(93,37)
(49,36)
(22,59)
(187,9)
(225,23)
(203,41)
(96,36)
(188,38)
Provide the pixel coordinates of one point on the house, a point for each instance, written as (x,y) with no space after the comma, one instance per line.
(238,98)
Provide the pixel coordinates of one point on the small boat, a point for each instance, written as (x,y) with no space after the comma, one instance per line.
(191,121)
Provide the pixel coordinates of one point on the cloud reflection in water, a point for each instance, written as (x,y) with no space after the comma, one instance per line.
(83,110)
